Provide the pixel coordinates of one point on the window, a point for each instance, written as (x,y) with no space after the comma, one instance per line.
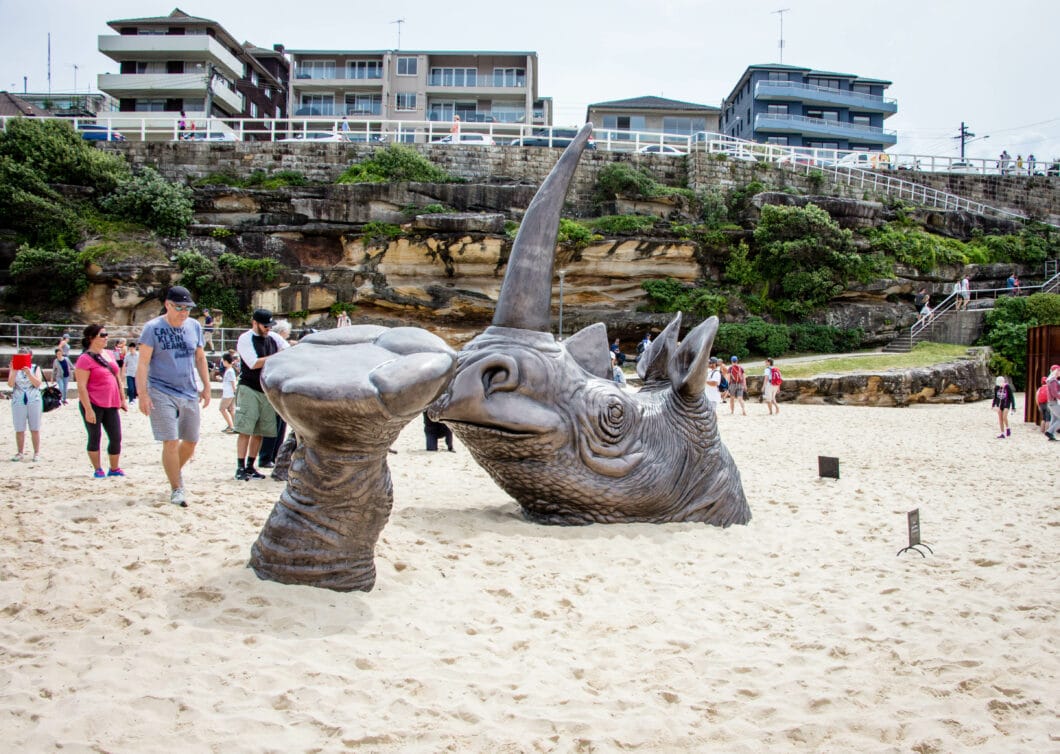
(316,69)
(509,77)
(781,141)
(508,112)
(454,77)
(150,105)
(829,115)
(364,104)
(777,109)
(316,104)
(253,109)
(686,126)
(624,123)
(861,120)
(406,101)
(151,67)
(364,69)
(862,88)
(407,66)
(778,76)
(824,83)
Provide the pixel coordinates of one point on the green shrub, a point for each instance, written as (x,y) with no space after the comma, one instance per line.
(341,306)
(741,269)
(377,231)
(218,179)
(740,199)
(811,338)
(226,284)
(395,163)
(670,295)
(622,178)
(1006,326)
(916,248)
(574,234)
(152,200)
(58,154)
(56,276)
(279,179)
(623,225)
(712,209)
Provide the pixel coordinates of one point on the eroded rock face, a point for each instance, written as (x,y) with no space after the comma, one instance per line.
(322,531)
(958,382)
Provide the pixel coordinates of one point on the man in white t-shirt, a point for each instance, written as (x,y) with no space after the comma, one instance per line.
(712,390)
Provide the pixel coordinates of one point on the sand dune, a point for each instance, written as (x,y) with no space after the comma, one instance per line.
(132,625)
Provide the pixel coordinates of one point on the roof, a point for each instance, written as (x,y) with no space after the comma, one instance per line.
(480,53)
(11,104)
(653,103)
(176,15)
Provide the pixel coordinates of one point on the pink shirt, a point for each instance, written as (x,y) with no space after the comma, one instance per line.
(102,384)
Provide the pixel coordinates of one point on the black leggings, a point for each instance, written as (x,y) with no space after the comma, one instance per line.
(107,419)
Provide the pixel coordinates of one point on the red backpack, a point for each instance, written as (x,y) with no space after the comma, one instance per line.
(774,376)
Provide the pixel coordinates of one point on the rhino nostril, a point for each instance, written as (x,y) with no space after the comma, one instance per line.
(499,376)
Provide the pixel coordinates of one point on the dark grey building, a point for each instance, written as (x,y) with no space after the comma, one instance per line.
(801,107)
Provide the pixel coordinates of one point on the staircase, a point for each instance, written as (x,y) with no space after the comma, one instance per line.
(982,300)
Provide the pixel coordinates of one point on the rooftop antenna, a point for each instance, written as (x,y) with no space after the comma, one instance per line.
(49,64)
(399,22)
(781,13)
(76,66)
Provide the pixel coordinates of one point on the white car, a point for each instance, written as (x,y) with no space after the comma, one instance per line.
(661,149)
(484,140)
(737,153)
(207,136)
(317,136)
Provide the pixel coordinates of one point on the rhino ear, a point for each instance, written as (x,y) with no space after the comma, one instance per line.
(653,366)
(588,347)
(689,366)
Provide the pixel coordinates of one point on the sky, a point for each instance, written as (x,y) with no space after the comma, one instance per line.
(989,64)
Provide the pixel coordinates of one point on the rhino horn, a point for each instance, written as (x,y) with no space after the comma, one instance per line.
(690,365)
(526,294)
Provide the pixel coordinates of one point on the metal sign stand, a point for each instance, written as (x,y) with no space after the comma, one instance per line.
(913,520)
(827,466)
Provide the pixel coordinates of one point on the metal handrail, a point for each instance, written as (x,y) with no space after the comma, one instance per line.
(874,98)
(833,124)
(949,303)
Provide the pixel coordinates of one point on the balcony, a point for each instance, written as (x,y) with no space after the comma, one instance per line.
(791,91)
(197,48)
(168,86)
(480,85)
(820,128)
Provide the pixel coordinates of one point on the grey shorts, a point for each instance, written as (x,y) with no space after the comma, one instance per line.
(254,414)
(174,418)
(736,391)
(26,413)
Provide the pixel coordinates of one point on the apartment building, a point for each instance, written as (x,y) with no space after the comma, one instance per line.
(802,107)
(167,64)
(653,115)
(422,85)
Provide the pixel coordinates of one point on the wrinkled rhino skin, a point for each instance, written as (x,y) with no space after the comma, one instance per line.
(347,393)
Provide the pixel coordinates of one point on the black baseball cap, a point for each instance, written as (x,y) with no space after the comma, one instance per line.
(178,294)
(263,317)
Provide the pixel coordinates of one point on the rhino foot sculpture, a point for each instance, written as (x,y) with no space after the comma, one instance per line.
(552,429)
(347,393)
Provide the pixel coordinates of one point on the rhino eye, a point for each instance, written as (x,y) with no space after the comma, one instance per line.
(613,420)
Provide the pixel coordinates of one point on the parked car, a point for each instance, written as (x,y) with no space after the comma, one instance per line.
(208,136)
(96,132)
(962,167)
(737,152)
(561,137)
(484,140)
(661,149)
(316,136)
(859,160)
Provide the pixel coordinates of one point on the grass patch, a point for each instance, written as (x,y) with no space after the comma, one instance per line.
(923,355)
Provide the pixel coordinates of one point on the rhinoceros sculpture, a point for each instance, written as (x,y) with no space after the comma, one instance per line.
(557,434)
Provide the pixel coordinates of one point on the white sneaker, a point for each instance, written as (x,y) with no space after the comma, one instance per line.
(36,457)
(17,457)
(177,497)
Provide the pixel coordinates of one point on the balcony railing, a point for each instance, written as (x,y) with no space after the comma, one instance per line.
(797,123)
(812,92)
(480,81)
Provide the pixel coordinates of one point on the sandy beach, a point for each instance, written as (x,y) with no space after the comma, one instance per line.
(130,625)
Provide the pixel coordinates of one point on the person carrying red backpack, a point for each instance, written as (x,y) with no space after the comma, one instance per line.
(737,385)
(771,381)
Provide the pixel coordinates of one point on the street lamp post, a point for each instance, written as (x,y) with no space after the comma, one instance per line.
(562,275)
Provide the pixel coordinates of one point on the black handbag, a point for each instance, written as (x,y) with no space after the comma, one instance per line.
(51,397)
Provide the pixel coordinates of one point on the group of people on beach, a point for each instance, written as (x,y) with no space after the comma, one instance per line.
(167,375)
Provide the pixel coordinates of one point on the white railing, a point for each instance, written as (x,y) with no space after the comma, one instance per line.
(875,99)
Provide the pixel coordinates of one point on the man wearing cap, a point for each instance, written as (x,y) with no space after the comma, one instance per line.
(737,385)
(1053,385)
(713,389)
(171,355)
(255,417)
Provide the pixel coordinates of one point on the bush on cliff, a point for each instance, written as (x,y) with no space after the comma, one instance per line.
(395,163)
(227,283)
(47,276)
(150,199)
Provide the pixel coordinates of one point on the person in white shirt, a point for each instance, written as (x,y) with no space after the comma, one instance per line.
(712,391)
(228,392)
